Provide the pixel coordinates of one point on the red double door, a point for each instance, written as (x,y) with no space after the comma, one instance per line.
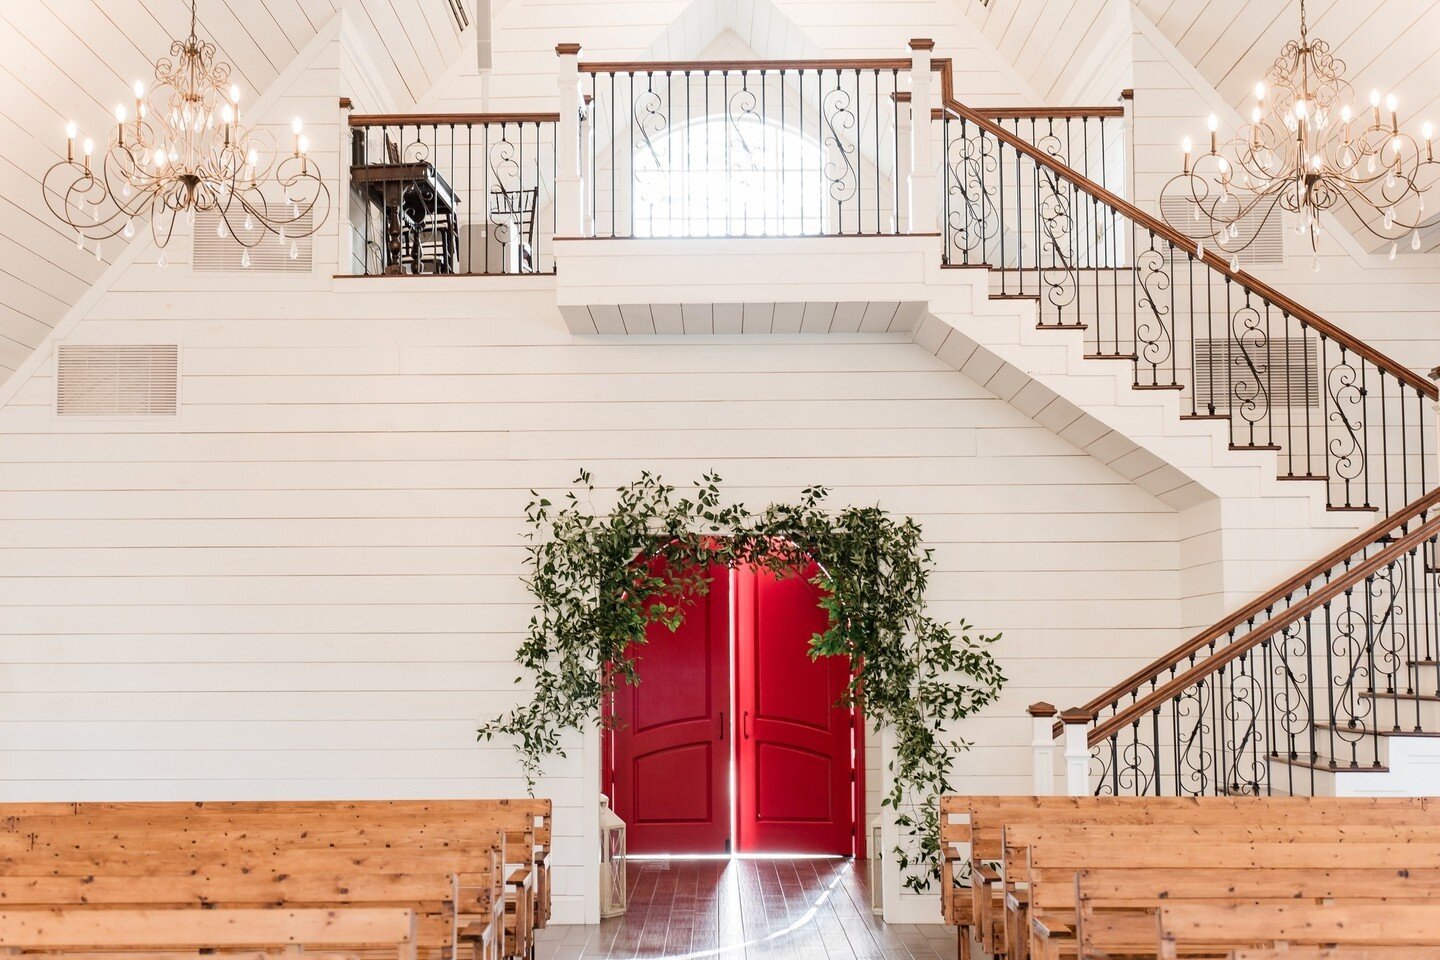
(682,730)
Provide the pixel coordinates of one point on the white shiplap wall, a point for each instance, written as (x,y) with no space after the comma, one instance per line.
(308,583)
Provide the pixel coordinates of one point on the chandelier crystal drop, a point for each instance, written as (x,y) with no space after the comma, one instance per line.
(1307,150)
(184,150)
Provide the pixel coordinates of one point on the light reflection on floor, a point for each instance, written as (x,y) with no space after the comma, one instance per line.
(733,909)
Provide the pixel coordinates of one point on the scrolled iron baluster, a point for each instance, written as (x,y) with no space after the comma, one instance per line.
(1349,643)
(1058,277)
(974,215)
(650,161)
(1290,706)
(837,110)
(1244,702)
(1249,390)
(1100,767)
(1134,763)
(1193,759)
(746,150)
(1154,338)
(1347,413)
(505,178)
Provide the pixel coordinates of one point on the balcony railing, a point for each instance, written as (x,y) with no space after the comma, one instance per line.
(744,148)
(452,194)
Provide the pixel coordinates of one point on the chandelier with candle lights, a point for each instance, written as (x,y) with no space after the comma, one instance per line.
(184,150)
(1307,150)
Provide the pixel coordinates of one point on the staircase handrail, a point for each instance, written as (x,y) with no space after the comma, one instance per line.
(1211,665)
(1133,213)
(1169,661)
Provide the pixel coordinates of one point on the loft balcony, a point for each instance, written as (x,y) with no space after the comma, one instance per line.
(717,150)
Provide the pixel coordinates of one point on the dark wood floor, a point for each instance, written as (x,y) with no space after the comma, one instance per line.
(734,909)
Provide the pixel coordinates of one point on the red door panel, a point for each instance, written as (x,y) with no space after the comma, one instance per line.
(671,762)
(795,760)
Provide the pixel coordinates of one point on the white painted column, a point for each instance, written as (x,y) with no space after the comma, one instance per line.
(345,259)
(569,207)
(1077,751)
(921,184)
(1042,716)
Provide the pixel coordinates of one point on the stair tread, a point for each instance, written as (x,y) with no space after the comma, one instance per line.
(1387,695)
(1378,733)
(1323,763)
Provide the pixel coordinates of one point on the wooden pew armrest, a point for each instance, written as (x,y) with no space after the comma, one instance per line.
(1052,928)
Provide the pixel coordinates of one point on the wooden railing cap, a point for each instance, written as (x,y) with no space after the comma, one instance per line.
(1434,374)
(922,43)
(567,49)
(1076,715)
(1041,709)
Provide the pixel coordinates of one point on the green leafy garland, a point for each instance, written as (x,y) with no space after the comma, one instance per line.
(600,580)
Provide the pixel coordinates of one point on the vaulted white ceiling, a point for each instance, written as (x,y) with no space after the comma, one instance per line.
(63,60)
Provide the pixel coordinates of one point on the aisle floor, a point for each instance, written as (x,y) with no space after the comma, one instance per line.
(744,910)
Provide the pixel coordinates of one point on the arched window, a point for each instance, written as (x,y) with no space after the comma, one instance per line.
(719,176)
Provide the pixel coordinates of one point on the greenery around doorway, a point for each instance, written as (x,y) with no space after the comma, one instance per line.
(601,578)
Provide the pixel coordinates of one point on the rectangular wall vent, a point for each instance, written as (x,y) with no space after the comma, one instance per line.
(117,380)
(1284,370)
(213,252)
(1269,245)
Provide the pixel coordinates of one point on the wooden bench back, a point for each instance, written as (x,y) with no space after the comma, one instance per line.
(127,930)
(1374,924)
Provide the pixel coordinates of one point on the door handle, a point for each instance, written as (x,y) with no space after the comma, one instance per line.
(745,724)
(721,734)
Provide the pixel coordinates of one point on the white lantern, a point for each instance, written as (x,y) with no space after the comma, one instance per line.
(612,861)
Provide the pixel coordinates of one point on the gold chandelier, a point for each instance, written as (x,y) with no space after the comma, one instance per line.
(185,150)
(1307,150)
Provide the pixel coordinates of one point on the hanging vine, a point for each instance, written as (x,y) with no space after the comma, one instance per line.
(600,579)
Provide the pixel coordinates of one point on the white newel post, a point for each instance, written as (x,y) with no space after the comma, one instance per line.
(1042,716)
(569,209)
(921,185)
(1077,751)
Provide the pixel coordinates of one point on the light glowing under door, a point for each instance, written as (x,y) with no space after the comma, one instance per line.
(795,781)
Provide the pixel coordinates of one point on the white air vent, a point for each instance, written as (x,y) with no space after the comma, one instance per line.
(117,380)
(217,253)
(1284,370)
(1269,245)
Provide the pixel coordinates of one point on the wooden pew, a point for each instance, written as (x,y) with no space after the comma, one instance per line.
(454,885)
(1335,953)
(142,932)
(972,827)
(1118,905)
(1055,865)
(451,910)
(1190,928)
(1040,887)
(528,873)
